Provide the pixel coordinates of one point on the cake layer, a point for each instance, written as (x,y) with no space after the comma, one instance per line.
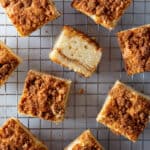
(77,51)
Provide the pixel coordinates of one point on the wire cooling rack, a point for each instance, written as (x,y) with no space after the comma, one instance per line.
(82,109)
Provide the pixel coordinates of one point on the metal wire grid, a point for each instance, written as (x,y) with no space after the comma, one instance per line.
(82,109)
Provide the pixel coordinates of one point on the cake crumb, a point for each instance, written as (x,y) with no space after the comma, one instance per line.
(81,91)
(46,31)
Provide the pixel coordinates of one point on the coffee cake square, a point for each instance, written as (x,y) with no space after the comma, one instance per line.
(135,48)
(44,96)
(76,51)
(15,136)
(8,62)
(125,111)
(29,15)
(85,141)
(104,12)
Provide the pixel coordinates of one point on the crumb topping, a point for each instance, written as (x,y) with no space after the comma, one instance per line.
(128,112)
(28,15)
(87,142)
(44,96)
(8,63)
(108,10)
(135,46)
(13,136)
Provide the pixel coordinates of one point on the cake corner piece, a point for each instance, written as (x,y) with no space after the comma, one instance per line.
(125,111)
(75,50)
(13,134)
(134,45)
(9,61)
(28,16)
(51,99)
(105,14)
(85,140)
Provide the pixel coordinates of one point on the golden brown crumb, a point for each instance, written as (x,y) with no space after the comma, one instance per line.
(8,62)
(135,49)
(13,135)
(44,96)
(29,15)
(126,111)
(105,12)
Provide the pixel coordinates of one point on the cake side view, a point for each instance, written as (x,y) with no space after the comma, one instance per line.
(135,48)
(9,61)
(86,141)
(76,51)
(104,12)
(44,96)
(125,111)
(29,15)
(14,135)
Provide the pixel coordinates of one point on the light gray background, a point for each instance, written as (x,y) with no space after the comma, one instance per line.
(82,109)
